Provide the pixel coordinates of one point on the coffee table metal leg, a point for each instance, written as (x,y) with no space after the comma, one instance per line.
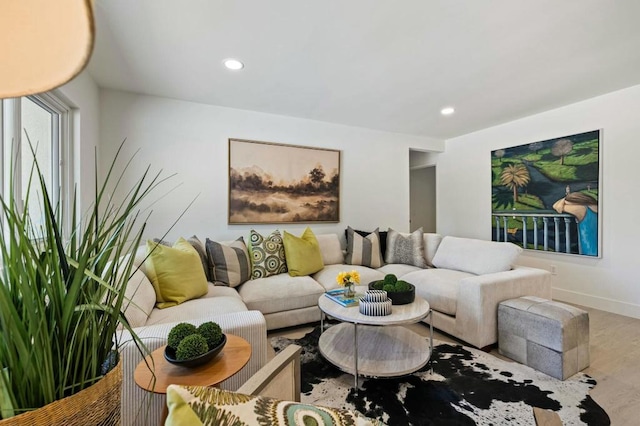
(431,339)
(355,353)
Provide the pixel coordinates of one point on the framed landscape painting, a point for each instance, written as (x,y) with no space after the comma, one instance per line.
(276,183)
(546,195)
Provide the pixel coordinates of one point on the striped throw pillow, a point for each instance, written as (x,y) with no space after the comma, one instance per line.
(228,264)
(363,251)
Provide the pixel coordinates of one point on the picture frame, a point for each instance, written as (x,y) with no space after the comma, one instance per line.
(546,195)
(279,183)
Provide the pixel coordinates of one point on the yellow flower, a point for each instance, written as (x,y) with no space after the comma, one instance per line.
(345,278)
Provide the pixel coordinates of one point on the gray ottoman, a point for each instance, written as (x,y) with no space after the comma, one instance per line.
(549,336)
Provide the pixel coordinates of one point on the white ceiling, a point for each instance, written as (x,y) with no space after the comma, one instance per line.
(381,64)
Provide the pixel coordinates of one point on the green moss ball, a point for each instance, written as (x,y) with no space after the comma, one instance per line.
(378,285)
(389,288)
(191,346)
(403,286)
(390,279)
(179,332)
(212,332)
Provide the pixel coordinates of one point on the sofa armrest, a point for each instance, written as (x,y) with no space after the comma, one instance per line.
(262,383)
(479,296)
(141,407)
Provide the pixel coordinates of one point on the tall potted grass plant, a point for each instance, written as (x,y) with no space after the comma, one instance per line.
(61,298)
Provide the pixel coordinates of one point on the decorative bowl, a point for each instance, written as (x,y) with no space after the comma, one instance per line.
(170,355)
(399,297)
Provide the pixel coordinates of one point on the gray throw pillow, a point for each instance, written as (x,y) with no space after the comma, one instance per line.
(406,248)
(202,252)
(228,264)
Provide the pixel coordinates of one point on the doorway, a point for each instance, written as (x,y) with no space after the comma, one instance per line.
(422,191)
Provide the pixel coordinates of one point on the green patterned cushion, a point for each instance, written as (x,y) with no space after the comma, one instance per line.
(213,406)
(267,254)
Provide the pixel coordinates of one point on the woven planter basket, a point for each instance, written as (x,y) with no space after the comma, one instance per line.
(96,405)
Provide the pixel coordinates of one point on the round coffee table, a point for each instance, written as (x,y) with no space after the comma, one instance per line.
(375,346)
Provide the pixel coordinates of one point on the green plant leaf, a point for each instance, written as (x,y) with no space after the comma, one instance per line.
(62,300)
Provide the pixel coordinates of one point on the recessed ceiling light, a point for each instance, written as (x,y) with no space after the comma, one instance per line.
(233,64)
(447,111)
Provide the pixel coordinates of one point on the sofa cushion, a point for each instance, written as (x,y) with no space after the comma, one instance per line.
(327,277)
(219,291)
(140,298)
(398,269)
(439,287)
(193,405)
(280,292)
(363,251)
(431,243)
(267,254)
(175,272)
(302,253)
(228,263)
(475,256)
(197,308)
(406,248)
(330,249)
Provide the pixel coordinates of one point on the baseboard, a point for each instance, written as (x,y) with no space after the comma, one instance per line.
(602,303)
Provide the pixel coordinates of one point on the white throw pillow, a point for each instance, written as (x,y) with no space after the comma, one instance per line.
(140,298)
(330,249)
(475,256)
(431,244)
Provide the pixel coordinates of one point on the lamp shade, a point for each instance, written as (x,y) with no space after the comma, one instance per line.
(43,44)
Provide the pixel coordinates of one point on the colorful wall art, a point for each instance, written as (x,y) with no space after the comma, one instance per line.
(546,195)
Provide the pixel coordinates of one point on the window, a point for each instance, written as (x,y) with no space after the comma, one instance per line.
(37,124)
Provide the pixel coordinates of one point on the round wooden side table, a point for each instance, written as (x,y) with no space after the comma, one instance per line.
(234,356)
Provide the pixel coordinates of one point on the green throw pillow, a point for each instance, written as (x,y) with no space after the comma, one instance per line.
(303,254)
(215,406)
(267,254)
(180,414)
(175,272)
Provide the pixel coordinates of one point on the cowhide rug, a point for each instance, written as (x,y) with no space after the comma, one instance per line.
(467,387)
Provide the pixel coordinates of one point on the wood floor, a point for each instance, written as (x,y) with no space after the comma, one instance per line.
(615,361)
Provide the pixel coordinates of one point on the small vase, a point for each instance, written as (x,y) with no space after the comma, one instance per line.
(349,290)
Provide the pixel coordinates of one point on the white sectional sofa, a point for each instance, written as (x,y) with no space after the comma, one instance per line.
(465,281)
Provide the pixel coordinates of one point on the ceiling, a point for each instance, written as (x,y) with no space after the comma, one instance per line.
(379,64)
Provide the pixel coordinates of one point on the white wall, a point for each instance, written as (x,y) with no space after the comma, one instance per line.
(464,196)
(190,139)
(83,95)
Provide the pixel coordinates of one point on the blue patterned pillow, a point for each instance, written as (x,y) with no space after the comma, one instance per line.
(267,254)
